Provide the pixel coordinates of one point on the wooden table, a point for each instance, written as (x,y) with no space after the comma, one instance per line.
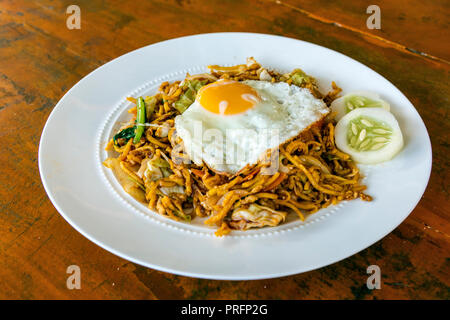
(40,59)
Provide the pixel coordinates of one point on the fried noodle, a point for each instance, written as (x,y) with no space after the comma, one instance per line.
(313,174)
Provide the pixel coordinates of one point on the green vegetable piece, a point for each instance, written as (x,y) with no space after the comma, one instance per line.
(166,172)
(140,120)
(184,102)
(188,97)
(150,105)
(140,185)
(159,162)
(126,134)
(300,78)
(183,216)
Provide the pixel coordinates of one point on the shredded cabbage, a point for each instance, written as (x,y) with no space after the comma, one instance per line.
(300,78)
(188,97)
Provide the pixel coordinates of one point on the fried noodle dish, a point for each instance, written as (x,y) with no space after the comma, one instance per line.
(152,165)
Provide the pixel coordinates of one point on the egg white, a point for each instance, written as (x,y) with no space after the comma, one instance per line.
(283,112)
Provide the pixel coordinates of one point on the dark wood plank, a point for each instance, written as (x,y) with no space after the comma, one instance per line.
(40,59)
(420,27)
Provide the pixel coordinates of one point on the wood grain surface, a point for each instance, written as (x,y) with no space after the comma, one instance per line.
(40,59)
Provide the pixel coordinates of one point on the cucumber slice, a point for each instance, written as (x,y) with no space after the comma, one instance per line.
(355,100)
(369,135)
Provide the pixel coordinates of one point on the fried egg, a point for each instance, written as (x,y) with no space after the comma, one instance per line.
(232,124)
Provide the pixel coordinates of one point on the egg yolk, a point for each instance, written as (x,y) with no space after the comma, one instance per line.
(226,97)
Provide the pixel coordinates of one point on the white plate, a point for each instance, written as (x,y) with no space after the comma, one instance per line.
(91,200)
